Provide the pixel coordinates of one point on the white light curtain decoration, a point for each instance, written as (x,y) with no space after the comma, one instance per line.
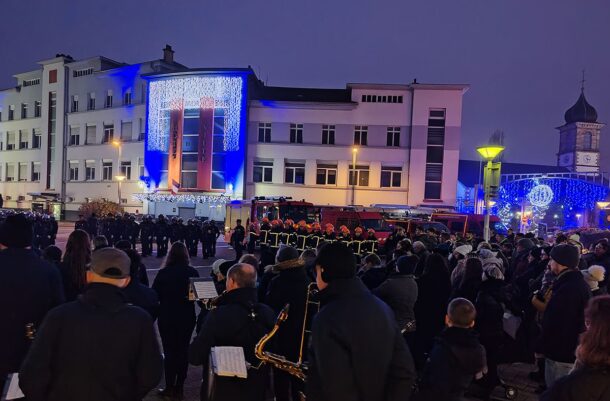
(182,198)
(165,95)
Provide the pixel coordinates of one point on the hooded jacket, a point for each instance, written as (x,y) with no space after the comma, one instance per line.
(455,360)
(400,293)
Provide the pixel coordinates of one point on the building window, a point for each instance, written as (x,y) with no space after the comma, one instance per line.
(587,141)
(390,177)
(90,170)
(74,136)
(359,176)
(126,169)
(126,131)
(10,140)
(141,168)
(23,139)
(37,108)
(328,135)
(36,171)
(23,172)
(73,171)
(82,72)
(11,112)
(91,101)
(127,98)
(326,174)
(52,76)
(74,107)
(296,133)
(435,154)
(108,102)
(107,170)
(90,135)
(263,171)
(264,132)
(24,110)
(360,135)
(108,133)
(294,173)
(10,172)
(141,131)
(381,99)
(0,113)
(36,138)
(393,137)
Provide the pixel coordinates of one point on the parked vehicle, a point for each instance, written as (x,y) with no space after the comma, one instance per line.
(472,223)
(410,225)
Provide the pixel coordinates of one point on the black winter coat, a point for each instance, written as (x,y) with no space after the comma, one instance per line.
(232,324)
(357,351)
(373,277)
(454,361)
(172,287)
(400,293)
(564,317)
(95,348)
(29,288)
(140,295)
(289,287)
(431,306)
(582,384)
(490,311)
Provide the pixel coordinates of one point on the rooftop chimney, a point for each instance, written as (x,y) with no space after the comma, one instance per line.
(168,54)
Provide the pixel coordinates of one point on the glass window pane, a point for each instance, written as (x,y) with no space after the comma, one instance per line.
(396,179)
(385,178)
(218,180)
(321,176)
(432,190)
(191,126)
(299,177)
(190,143)
(189,180)
(218,144)
(189,162)
(363,179)
(289,176)
(332,177)
(218,162)
(268,175)
(434,154)
(257,174)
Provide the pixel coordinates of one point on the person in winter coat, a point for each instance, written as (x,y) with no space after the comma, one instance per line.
(400,293)
(594,276)
(240,321)
(469,285)
(29,288)
(456,359)
(457,263)
(176,316)
(590,379)
(137,293)
(564,319)
(372,273)
(434,289)
(356,351)
(520,261)
(601,257)
(419,250)
(74,264)
(97,348)
(289,286)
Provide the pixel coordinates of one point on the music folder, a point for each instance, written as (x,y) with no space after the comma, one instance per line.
(228,362)
(203,288)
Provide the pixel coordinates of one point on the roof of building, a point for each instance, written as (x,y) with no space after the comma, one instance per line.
(581,112)
(469,170)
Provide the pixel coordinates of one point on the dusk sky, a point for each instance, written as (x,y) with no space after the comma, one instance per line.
(522,58)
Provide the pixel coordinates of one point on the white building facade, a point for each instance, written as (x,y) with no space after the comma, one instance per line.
(69,128)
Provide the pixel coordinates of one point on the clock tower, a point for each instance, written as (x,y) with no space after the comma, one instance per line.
(579,138)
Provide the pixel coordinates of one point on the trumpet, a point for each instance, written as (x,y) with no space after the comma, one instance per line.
(212,303)
(298,368)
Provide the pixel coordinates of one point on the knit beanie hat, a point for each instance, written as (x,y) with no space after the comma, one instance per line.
(525,243)
(566,255)
(216,265)
(593,275)
(16,231)
(463,249)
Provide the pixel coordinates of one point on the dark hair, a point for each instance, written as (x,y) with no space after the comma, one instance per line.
(461,312)
(100,242)
(337,260)
(594,348)
(249,259)
(243,274)
(407,264)
(372,258)
(78,256)
(122,245)
(178,255)
(52,254)
(473,272)
(436,266)
(136,261)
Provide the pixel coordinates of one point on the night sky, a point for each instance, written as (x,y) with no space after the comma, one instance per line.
(522,58)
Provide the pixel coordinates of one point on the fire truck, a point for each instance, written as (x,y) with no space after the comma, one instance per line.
(273,208)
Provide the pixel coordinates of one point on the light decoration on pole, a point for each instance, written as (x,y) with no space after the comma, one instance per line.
(164,93)
(182,198)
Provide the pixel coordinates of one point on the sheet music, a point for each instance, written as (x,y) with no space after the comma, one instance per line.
(14,391)
(204,288)
(229,361)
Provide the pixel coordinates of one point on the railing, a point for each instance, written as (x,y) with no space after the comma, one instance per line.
(593,177)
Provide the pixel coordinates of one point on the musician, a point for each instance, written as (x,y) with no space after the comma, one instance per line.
(238,320)
(344,363)
(288,286)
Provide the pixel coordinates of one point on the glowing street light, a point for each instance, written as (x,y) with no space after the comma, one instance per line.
(603,205)
(489,153)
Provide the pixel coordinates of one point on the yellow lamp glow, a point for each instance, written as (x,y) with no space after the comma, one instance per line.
(603,205)
(490,152)
(116,143)
(355,149)
(120,177)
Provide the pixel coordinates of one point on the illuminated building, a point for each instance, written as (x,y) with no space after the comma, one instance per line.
(189,139)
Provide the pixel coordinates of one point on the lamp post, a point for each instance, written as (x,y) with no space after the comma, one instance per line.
(489,153)
(354,154)
(120,177)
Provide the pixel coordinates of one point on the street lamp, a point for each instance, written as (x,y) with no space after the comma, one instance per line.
(489,153)
(120,178)
(354,154)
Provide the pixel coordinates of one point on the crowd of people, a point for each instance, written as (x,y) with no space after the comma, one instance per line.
(429,318)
